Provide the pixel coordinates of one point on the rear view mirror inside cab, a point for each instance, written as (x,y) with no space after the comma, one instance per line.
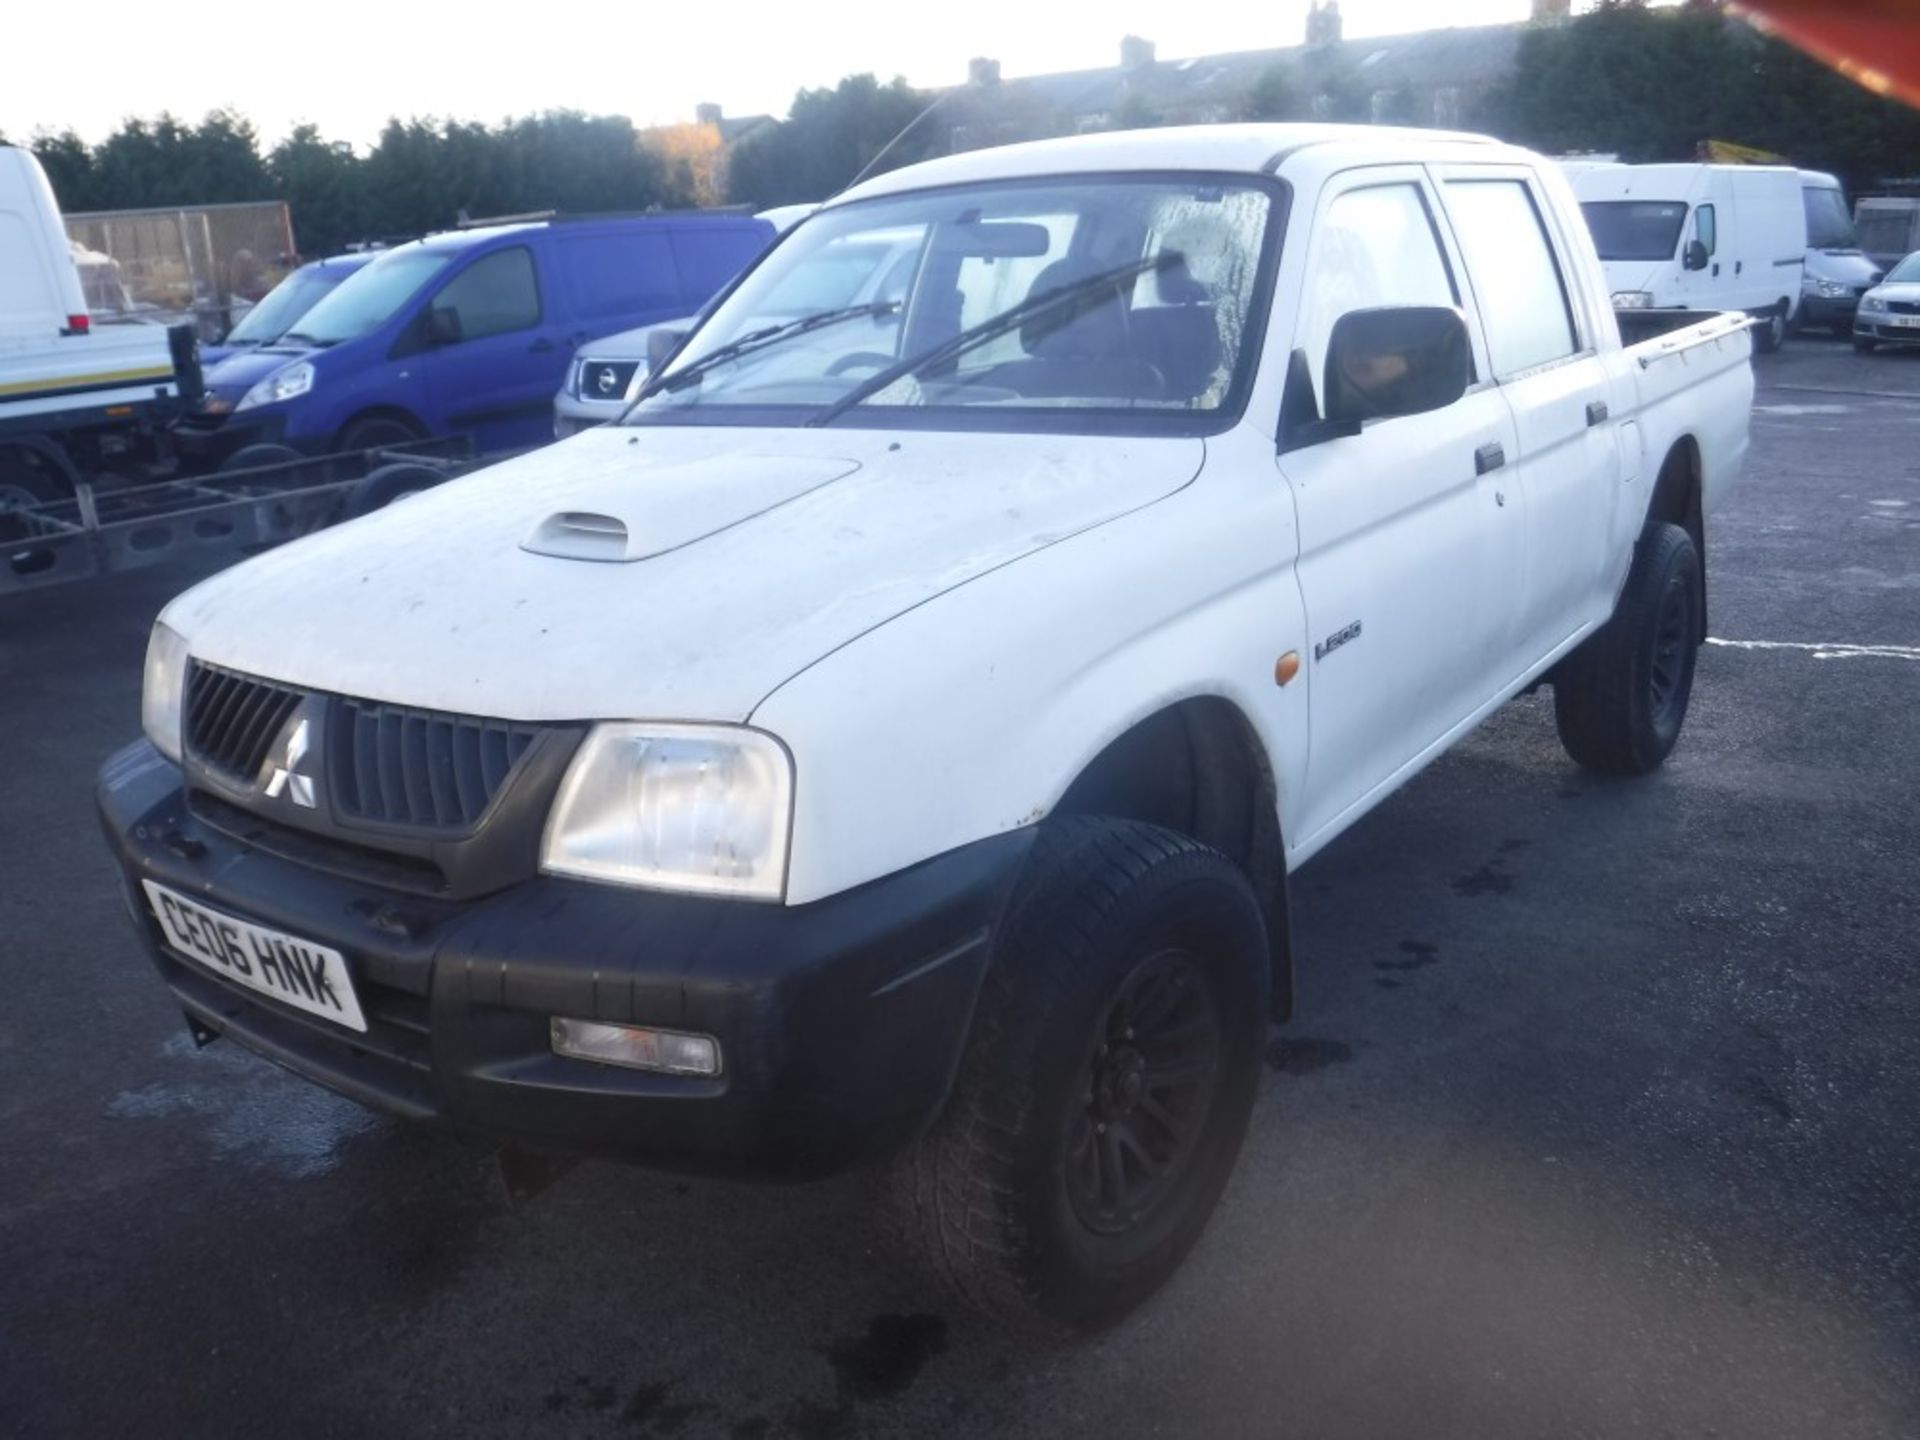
(992,239)
(1381,363)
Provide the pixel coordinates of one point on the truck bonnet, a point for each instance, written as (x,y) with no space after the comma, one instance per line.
(661,573)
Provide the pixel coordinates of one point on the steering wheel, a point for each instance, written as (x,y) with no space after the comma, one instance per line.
(860,357)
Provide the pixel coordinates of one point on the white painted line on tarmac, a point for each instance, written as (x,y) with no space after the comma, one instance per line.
(1831,651)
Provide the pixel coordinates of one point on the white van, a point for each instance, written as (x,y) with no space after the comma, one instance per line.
(1700,237)
(40,291)
(1838,272)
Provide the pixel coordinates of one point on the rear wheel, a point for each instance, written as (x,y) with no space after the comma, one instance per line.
(1771,331)
(1106,1086)
(24,481)
(1621,698)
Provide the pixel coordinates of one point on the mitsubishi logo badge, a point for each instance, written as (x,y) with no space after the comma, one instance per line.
(287,779)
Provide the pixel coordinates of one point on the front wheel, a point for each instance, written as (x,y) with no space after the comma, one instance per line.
(1106,1086)
(1862,345)
(1620,699)
(1771,331)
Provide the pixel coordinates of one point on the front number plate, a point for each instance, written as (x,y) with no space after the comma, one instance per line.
(295,972)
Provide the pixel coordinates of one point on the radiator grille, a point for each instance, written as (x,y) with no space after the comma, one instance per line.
(418,768)
(232,719)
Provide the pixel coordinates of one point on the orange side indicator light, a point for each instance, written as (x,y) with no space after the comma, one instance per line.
(1286,667)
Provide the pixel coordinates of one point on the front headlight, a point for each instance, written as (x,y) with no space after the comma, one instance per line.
(1826,289)
(162,690)
(698,808)
(1632,300)
(1872,302)
(284,384)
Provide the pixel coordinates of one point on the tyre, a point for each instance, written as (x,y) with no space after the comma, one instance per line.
(254,457)
(1771,329)
(1863,345)
(371,432)
(389,483)
(1106,1084)
(25,482)
(1621,698)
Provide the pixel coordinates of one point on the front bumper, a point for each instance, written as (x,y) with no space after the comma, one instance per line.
(1878,326)
(203,442)
(1828,310)
(840,1022)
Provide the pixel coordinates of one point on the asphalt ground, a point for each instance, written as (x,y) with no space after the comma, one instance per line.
(1601,1115)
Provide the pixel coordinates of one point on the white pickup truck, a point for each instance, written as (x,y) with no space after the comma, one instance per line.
(897,745)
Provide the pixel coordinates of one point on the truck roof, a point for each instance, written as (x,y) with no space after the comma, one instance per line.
(1248,149)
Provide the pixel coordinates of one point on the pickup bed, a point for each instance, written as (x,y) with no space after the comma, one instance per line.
(893,739)
(87,401)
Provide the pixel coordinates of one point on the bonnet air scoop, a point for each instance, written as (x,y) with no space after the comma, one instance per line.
(581,535)
(646,512)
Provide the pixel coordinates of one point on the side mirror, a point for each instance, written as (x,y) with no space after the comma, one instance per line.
(1396,360)
(660,346)
(1695,256)
(443,325)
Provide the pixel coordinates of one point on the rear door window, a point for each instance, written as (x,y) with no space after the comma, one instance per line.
(611,274)
(1523,299)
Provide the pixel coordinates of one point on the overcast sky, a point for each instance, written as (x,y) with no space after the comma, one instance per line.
(346,65)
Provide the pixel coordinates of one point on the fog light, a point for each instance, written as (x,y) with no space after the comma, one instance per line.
(637,1047)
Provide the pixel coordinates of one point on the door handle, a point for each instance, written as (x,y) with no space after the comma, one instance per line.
(1716,268)
(1596,412)
(541,346)
(1738,265)
(1489,457)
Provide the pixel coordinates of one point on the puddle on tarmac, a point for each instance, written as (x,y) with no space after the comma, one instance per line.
(248,1110)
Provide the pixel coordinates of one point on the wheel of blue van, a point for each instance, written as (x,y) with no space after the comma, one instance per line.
(389,483)
(371,432)
(1107,1081)
(255,457)
(1771,332)
(1620,699)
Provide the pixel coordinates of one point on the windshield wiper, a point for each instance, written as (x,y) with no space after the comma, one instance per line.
(300,338)
(760,339)
(994,326)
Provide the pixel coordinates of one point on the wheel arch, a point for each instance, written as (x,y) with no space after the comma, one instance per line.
(1198,767)
(1678,499)
(46,450)
(381,412)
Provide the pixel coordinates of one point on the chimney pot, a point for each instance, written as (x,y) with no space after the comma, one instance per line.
(1135,53)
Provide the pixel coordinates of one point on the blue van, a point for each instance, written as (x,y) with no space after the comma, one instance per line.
(468,332)
(280,308)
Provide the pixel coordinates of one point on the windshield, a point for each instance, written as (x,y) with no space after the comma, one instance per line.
(1635,229)
(877,285)
(368,298)
(285,304)
(1906,272)
(1829,227)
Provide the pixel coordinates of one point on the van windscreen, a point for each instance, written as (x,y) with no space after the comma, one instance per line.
(1829,227)
(367,299)
(1635,229)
